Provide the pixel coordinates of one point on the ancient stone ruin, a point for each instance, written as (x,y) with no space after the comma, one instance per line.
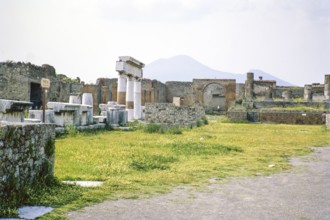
(260,97)
(27,145)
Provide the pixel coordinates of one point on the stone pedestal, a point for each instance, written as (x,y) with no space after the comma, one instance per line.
(116,115)
(75,99)
(13,111)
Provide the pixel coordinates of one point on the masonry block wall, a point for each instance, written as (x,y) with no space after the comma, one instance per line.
(21,81)
(26,155)
(183,90)
(168,113)
(297,92)
(277,116)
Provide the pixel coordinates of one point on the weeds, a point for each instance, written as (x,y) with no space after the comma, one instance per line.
(135,163)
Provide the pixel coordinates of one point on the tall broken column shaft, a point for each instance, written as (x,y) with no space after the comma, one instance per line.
(327,87)
(121,90)
(249,86)
(130,98)
(137,99)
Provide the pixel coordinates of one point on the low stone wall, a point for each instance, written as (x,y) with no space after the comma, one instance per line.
(26,155)
(292,117)
(277,116)
(237,115)
(271,104)
(168,113)
(327,121)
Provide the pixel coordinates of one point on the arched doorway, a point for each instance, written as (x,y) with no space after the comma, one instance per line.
(214,98)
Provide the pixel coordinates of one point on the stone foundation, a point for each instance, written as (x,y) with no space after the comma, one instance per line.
(26,155)
(285,104)
(277,116)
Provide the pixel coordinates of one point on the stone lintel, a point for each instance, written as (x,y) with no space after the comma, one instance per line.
(131,61)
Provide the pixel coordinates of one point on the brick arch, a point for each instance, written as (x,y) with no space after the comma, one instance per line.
(214,97)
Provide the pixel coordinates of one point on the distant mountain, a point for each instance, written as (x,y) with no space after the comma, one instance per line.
(185,68)
(267,76)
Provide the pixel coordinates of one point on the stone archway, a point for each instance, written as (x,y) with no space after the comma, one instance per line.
(214,97)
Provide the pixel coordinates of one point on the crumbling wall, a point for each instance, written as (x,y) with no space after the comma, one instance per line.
(21,81)
(240,91)
(26,155)
(297,92)
(152,91)
(179,89)
(226,89)
(261,87)
(168,113)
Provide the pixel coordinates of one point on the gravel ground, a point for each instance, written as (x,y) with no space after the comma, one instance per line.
(301,193)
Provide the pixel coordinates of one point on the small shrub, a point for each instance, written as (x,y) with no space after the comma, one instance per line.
(199,123)
(71,130)
(239,101)
(205,121)
(174,131)
(153,128)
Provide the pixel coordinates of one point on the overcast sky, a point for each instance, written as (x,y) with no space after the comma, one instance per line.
(287,38)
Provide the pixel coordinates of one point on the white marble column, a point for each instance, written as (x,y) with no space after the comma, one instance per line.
(137,99)
(87,99)
(121,89)
(130,98)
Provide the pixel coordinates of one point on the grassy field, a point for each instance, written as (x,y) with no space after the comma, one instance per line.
(135,164)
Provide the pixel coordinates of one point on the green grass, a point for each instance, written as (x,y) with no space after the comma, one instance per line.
(137,164)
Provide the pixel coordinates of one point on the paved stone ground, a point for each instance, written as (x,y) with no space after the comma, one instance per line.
(301,193)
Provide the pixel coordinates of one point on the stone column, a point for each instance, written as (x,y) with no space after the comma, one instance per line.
(249,86)
(130,98)
(121,89)
(308,93)
(327,87)
(137,99)
(87,99)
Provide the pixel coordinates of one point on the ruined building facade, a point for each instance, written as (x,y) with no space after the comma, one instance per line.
(214,94)
(21,81)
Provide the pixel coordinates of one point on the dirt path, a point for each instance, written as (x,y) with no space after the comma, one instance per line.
(301,193)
